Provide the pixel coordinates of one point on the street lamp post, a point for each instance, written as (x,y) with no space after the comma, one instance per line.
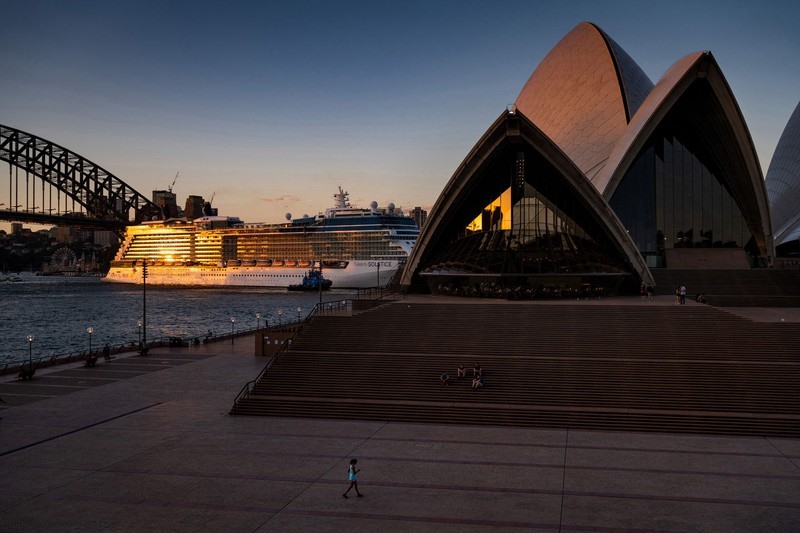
(298,314)
(143,343)
(139,325)
(233,323)
(280,314)
(90,331)
(30,351)
(258,321)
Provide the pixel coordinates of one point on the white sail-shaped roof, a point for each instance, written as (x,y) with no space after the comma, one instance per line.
(783,183)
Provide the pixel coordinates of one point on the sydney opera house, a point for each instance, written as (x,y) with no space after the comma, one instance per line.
(596,178)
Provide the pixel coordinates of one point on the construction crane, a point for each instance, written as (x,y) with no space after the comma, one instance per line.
(173,181)
(207,205)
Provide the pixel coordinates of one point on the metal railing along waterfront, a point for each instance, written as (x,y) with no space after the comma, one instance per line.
(15,365)
(70,357)
(378,293)
(319,309)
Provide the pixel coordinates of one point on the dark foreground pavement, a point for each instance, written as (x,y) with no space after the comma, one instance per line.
(152,448)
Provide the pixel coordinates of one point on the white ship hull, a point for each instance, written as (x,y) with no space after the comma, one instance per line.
(356,275)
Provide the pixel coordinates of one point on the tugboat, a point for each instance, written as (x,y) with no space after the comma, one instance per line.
(312,281)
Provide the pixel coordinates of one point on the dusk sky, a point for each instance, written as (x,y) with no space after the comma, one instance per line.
(272,105)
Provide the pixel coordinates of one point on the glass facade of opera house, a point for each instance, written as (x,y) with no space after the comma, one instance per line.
(528,228)
(675,195)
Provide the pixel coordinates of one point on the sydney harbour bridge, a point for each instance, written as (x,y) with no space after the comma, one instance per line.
(50,185)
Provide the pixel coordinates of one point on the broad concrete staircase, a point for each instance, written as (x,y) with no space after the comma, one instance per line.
(757,287)
(634,366)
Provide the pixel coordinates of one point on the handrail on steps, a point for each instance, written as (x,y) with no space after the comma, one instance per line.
(320,308)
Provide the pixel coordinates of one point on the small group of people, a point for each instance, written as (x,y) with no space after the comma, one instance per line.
(91,360)
(680,295)
(461,372)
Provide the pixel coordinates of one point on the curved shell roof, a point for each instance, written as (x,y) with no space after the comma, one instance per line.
(783,181)
(583,94)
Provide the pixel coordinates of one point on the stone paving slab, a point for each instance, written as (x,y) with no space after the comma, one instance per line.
(73,381)
(158,452)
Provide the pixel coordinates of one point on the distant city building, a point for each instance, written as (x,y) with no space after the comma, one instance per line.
(209,211)
(419,215)
(64,234)
(16,228)
(67,235)
(106,238)
(194,207)
(168,203)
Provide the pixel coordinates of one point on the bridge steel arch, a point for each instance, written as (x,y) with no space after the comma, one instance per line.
(108,202)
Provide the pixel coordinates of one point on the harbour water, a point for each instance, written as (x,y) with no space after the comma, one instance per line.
(57,311)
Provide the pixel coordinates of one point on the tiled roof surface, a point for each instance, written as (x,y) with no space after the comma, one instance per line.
(575,97)
(783,181)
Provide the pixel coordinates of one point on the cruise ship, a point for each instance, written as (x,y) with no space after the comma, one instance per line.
(355,247)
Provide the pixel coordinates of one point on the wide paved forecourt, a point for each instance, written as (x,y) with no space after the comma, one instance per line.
(158,451)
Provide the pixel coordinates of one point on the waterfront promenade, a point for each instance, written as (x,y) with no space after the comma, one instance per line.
(152,448)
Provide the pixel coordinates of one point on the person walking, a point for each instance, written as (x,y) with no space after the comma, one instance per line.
(352,473)
(683,294)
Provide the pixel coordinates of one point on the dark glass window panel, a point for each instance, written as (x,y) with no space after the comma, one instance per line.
(677,190)
(717,213)
(649,201)
(658,197)
(736,225)
(708,207)
(688,201)
(726,218)
(697,201)
(669,196)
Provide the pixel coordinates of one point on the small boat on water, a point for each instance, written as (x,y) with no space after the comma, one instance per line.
(312,281)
